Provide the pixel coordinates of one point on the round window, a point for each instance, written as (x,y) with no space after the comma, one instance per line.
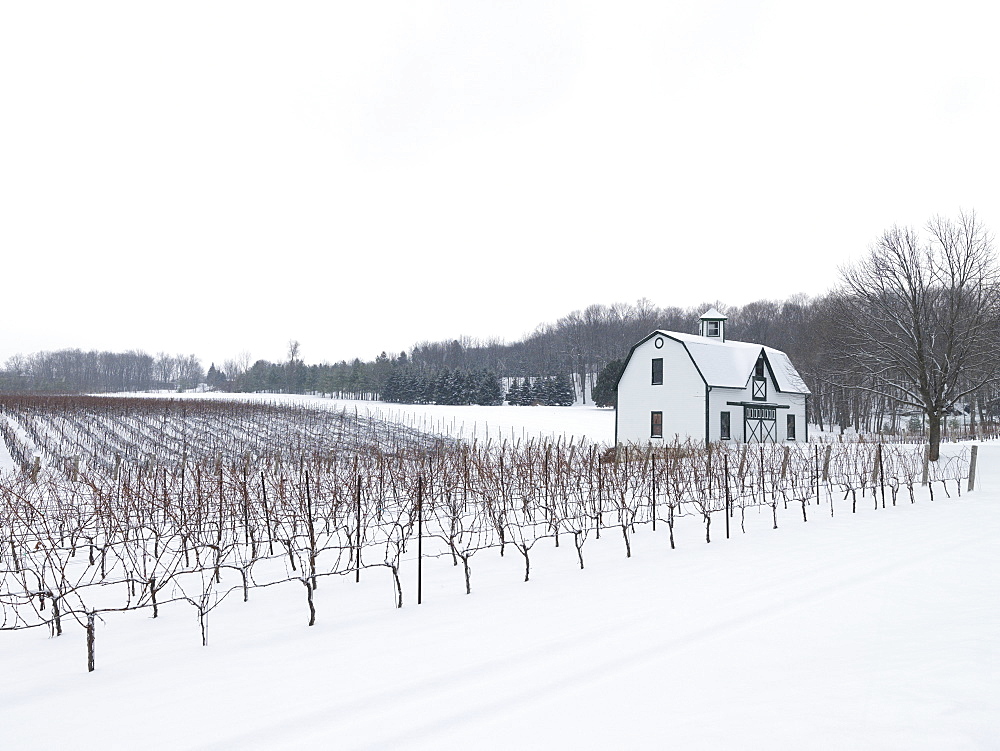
(658,342)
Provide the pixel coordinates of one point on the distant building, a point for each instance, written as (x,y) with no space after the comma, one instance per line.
(704,387)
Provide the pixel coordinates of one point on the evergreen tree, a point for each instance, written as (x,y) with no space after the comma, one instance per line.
(514,393)
(545,391)
(563,393)
(489,390)
(461,386)
(604,393)
(393,389)
(440,388)
(215,379)
(420,387)
(529,392)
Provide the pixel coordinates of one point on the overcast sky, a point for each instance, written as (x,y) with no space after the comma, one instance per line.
(211,178)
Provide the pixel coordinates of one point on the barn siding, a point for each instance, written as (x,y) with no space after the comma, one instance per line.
(717,404)
(681,398)
(717,399)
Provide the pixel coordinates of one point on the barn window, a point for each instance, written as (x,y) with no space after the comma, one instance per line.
(712,328)
(658,371)
(758,370)
(725,432)
(790,423)
(656,425)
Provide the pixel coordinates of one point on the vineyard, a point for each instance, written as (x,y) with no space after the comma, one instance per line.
(125,504)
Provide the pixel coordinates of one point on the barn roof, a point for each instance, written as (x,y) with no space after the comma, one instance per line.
(713,315)
(730,364)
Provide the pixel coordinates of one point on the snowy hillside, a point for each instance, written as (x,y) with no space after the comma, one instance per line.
(872,630)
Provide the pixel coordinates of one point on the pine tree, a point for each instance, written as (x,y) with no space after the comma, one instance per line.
(604,393)
(514,393)
(215,379)
(489,390)
(392,391)
(545,391)
(457,387)
(563,393)
(529,392)
(422,387)
(439,387)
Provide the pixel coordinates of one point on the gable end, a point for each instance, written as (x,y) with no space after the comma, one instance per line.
(665,335)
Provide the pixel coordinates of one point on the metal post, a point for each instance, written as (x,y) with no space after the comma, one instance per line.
(420,539)
(357,504)
(725,481)
(653,493)
(816,462)
(763,487)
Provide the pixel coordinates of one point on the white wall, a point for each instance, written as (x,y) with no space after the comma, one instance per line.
(717,399)
(681,398)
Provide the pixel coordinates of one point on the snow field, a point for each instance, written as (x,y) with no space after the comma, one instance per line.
(874,630)
(472,422)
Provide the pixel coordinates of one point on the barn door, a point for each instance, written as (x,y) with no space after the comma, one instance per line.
(760,424)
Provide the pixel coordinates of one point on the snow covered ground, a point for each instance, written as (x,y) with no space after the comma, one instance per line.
(875,630)
(467,422)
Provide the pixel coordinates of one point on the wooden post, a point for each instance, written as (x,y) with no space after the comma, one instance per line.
(972,468)
(708,468)
(312,543)
(90,642)
(927,461)
(881,473)
(267,514)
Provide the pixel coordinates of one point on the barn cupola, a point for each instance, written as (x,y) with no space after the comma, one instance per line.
(713,325)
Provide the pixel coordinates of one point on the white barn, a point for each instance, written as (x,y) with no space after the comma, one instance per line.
(706,388)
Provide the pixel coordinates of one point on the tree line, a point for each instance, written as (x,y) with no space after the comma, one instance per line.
(589,345)
(909,332)
(554,391)
(809,330)
(77,371)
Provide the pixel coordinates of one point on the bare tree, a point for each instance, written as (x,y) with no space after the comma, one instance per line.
(919,316)
(238,365)
(293,369)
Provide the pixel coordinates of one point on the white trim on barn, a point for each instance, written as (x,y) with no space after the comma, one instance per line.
(679,386)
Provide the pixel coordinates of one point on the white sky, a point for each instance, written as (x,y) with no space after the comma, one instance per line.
(209,178)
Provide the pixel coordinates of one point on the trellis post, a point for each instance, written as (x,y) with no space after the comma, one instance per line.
(420,538)
(652,494)
(357,508)
(972,467)
(725,481)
